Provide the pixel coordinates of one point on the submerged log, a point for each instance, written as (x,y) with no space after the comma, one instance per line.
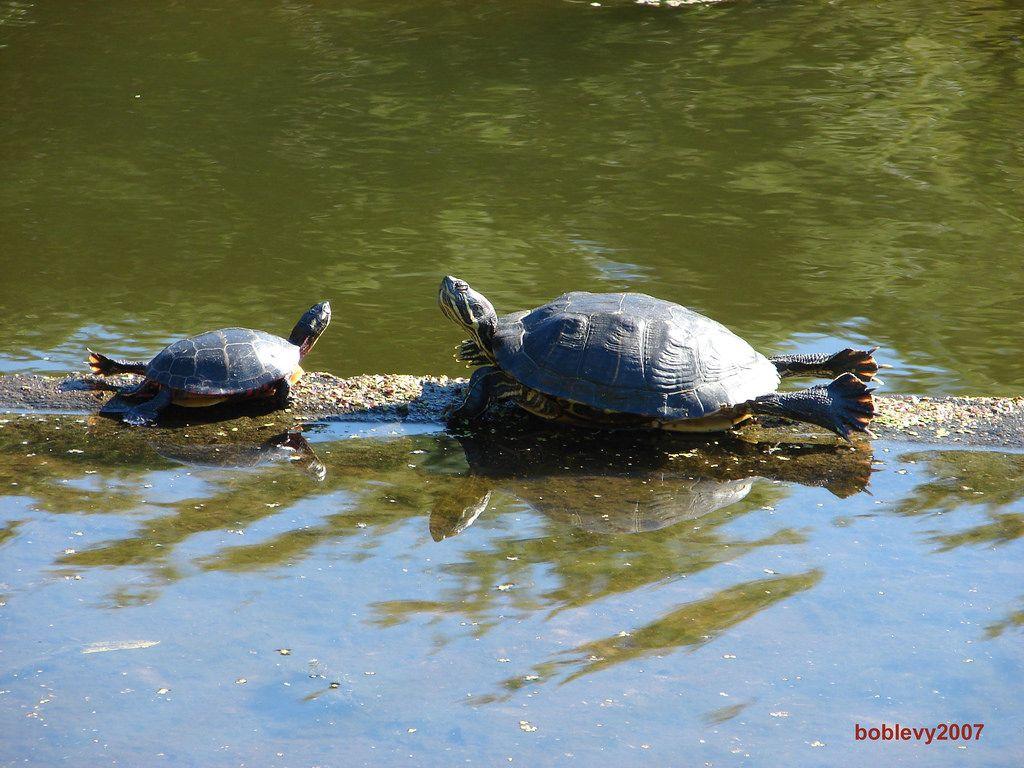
(968,421)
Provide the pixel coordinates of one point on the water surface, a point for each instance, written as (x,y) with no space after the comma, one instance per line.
(808,174)
(811,174)
(431,600)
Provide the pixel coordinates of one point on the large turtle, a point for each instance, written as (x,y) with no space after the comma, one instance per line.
(629,360)
(229,364)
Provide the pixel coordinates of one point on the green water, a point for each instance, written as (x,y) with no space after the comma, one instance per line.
(808,174)
(812,174)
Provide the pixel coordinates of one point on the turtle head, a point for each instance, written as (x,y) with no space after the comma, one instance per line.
(468,308)
(310,326)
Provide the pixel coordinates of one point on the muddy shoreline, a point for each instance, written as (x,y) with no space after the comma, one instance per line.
(967,421)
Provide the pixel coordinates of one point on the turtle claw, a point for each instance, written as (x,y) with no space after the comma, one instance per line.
(469,352)
(860,362)
(851,404)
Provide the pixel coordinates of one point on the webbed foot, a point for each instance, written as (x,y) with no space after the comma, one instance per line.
(860,362)
(845,406)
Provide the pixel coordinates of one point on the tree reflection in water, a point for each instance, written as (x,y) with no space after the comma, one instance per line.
(573,519)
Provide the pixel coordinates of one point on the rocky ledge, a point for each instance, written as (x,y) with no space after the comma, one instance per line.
(967,421)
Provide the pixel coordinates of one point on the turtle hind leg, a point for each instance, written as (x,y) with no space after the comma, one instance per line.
(101,365)
(146,414)
(539,404)
(844,406)
(860,362)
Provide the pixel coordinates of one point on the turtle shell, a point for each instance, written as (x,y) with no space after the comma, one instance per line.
(225,362)
(631,353)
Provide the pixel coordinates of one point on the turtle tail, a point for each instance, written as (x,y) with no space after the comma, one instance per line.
(101,365)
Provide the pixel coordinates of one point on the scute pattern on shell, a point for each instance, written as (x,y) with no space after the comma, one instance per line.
(224,362)
(632,353)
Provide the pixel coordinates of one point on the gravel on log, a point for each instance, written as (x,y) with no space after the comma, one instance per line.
(967,421)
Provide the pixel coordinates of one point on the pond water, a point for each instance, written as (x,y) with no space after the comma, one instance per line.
(808,174)
(811,174)
(383,597)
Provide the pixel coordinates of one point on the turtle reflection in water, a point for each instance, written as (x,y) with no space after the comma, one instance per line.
(287,446)
(645,482)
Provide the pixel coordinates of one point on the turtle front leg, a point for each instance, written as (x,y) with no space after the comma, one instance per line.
(283,394)
(146,414)
(482,389)
(843,407)
(470,352)
(860,362)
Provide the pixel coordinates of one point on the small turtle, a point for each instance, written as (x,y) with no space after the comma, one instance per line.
(629,360)
(217,366)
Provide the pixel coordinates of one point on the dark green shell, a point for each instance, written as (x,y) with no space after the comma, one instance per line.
(631,353)
(230,361)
